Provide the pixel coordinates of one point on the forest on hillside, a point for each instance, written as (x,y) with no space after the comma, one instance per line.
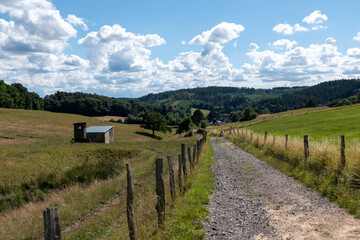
(176,105)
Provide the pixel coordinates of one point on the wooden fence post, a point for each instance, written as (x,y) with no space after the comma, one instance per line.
(51,224)
(129,205)
(183,159)
(342,162)
(160,192)
(194,154)
(286,141)
(265,137)
(190,160)
(274,138)
(306,147)
(251,136)
(242,131)
(171,178)
(198,150)
(179,172)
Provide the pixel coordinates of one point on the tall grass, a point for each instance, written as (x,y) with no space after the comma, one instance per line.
(321,171)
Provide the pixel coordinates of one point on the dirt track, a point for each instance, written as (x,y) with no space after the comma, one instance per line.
(254,201)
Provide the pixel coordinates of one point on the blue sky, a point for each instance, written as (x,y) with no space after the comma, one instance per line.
(131,48)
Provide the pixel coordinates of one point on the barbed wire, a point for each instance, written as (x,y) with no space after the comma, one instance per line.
(101,205)
(122,215)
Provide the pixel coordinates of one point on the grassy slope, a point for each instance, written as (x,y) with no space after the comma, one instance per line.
(322,125)
(34,143)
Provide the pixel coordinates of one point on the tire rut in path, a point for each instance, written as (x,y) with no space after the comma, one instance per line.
(254,201)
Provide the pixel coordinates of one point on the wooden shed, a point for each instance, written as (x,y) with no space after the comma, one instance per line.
(100,134)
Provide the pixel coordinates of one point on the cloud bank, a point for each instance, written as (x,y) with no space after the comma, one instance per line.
(120,62)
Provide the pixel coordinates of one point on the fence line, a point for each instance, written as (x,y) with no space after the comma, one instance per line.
(160,192)
(306,146)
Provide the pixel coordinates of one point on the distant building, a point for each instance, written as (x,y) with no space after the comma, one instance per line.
(96,134)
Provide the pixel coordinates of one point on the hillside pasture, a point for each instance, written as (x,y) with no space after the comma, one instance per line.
(47,169)
(324,125)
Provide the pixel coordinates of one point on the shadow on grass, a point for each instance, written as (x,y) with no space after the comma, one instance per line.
(149,135)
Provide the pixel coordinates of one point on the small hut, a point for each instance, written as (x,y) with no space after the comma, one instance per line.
(97,134)
(100,134)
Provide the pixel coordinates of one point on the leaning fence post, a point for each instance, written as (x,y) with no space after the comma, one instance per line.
(183,159)
(342,162)
(51,224)
(190,160)
(194,154)
(179,172)
(160,192)
(129,205)
(265,136)
(286,141)
(171,178)
(306,147)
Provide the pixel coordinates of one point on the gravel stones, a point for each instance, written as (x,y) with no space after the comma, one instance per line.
(254,201)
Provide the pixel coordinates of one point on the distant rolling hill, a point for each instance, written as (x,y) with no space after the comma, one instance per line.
(227,99)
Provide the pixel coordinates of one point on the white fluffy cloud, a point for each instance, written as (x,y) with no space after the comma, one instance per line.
(75,21)
(119,61)
(114,49)
(221,33)
(35,26)
(357,37)
(330,40)
(300,65)
(287,29)
(32,44)
(315,18)
(284,43)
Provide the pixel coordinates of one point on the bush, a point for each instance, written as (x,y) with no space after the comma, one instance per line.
(185,125)
(204,123)
(132,119)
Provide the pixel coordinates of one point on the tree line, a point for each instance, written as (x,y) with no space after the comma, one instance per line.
(229,103)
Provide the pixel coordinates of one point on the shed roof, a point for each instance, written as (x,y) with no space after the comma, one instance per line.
(98,129)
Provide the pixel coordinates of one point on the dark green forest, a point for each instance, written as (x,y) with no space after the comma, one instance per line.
(17,96)
(175,105)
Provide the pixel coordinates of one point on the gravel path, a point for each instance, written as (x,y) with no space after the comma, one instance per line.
(254,201)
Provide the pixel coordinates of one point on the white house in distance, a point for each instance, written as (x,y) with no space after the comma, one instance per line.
(94,134)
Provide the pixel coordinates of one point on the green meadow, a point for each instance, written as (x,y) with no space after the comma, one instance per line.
(329,125)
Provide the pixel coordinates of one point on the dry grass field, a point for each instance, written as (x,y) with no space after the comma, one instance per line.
(40,167)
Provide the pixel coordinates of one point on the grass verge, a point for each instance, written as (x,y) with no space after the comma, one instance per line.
(329,182)
(187,220)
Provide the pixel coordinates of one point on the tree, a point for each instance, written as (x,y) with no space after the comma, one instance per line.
(248,114)
(197,116)
(310,103)
(212,116)
(155,122)
(234,116)
(185,125)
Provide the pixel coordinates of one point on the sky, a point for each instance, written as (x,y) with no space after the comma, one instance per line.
(132,48)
